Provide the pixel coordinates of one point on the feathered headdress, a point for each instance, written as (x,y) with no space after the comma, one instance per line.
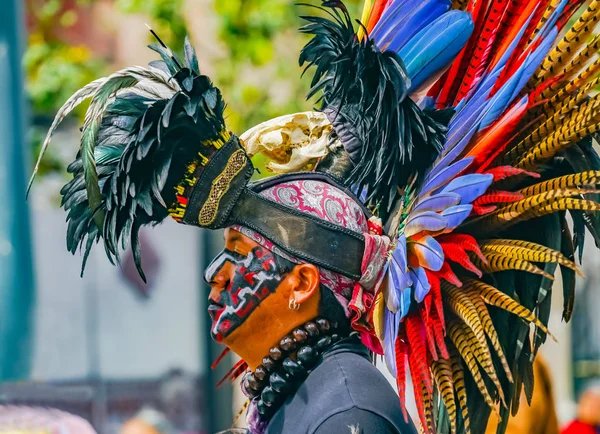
(467,125)
(145,129)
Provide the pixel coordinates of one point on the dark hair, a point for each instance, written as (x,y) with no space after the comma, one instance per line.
(329,306)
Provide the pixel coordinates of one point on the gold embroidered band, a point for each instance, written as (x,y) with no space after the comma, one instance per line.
(220,186)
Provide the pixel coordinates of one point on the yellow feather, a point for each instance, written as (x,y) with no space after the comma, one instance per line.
(499,262)
(570,44)
(366,14)
(578,62)
(458,377)
(378,317)
(442,374)
(520,210)
(582,179)
(580,124)
(495,297)
(459,339)
(559,91)
(484,357)
(549,9)
(568,204)
(462,306)
(490,330)
(527,251)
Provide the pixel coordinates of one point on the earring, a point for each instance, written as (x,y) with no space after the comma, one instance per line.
(293,304)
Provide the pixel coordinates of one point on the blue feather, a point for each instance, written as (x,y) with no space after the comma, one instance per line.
(424,221)
(390,332)
(548,25)
(398,281)
(391,18)
(390,292)
(508,53)
(406,300)
(435,46)
(429,253)
(462,123)
(532,63)
(438,178)
(422,285)
(470,187)
(437,202)
(407,20)
(390,14)
(456,215)
(417,22)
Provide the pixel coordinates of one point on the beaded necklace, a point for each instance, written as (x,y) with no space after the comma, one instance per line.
(286,367)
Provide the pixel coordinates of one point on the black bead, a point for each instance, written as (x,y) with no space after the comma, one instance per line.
(262,408)
(287,343)
(323,343)
(335,337)
(300,335)
(268,363)
(278,383)
(269,396)
(275,353)
(260,373)
(248,390)
(307,355)
(324,325)
(253,382)
(312,329)
(294,368)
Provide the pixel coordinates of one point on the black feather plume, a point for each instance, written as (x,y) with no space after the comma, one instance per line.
(365,96)
(144,146)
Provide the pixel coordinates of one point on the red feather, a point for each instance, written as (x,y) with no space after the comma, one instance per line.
(513,12)
(536,93)
(482,210)
(425,310)
(376,13)
(417,357)
(458,255)
(234,372)
(496,138)
(498,197)
(401,352)
(518,56)
(451,80)
(525,11)
(503,172)
(478,12)
(467,242)
(439,331)
(436,294)
(448,275)
(220,358)
(483,47)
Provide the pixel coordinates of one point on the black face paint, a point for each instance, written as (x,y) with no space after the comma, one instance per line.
(256,276)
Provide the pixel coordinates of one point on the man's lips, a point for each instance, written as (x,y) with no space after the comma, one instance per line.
(214,310)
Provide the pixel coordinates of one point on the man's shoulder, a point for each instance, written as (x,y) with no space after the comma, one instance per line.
(342,384)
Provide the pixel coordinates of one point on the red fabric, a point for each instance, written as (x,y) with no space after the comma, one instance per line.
(577,427)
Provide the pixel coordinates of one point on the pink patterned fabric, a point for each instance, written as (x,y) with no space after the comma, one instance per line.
(335,206)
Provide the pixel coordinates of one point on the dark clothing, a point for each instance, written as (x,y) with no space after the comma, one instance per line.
(344,394)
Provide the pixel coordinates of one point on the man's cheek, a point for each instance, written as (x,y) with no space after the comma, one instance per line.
(243,300)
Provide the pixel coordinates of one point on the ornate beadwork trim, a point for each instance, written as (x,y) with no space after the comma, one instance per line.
(183,189)
(220,186)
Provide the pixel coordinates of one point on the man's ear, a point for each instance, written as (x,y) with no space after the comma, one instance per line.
(305,281)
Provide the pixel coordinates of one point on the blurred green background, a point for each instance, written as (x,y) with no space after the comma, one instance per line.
(256,67)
